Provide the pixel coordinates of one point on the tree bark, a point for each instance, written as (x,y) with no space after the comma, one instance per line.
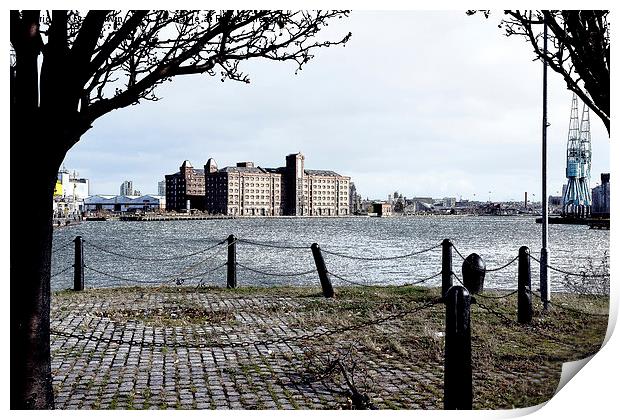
(34,173)
(30,262)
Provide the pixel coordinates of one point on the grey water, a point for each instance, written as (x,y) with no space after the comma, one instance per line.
(172,252)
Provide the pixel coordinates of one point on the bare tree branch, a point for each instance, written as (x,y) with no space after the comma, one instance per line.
(149,55)
(579,53)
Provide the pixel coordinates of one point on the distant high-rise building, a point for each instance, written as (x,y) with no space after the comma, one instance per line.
(161,188)
(127,188)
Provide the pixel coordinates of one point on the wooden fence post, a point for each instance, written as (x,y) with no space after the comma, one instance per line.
(326,284)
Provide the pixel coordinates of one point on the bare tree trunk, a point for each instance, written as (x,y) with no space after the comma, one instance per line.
(34,172)
(31,242)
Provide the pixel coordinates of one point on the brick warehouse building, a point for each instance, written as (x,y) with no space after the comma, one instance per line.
(249,190)
(185,188)
(292,190)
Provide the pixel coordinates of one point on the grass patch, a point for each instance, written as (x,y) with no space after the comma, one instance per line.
(501,345)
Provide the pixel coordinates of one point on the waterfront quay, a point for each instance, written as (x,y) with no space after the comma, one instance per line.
(169,217)
(291,348)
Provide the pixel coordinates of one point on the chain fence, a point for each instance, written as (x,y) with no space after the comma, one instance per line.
(62,246)
(188,273)
(356,283)
(268,245)
(395,257)
(184,274)
(555,304)
(171,258)
(266,273)
(58,273)
(486,270)
(568,273)
(510,323)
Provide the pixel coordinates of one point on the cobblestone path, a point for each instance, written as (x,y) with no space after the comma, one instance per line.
(161,349)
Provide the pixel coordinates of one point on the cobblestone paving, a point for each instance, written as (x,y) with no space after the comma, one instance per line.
(218,351)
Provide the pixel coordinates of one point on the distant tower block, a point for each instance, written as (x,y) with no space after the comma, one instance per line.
(577,197)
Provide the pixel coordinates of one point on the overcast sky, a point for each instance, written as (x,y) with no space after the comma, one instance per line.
(426,103)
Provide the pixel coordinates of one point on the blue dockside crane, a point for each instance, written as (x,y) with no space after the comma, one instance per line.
(577,198)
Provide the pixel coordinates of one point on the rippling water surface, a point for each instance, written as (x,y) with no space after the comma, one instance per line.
(131,253)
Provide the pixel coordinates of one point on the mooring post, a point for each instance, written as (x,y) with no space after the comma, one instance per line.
(524,293)
(78,265)
(231,272)
(326,284)
(474,269)
(458,390)
(446,266)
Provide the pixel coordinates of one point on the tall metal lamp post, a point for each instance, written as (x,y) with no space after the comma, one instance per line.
(544,255)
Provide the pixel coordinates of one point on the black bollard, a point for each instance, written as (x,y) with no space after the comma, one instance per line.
(446,266)
(231,271)
(78,265)
(524,294)
(458,391)
(326,284)
(473,270)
